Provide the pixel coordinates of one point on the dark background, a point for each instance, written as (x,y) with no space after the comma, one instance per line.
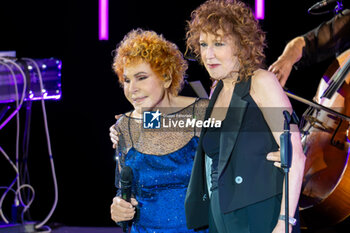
(79,122)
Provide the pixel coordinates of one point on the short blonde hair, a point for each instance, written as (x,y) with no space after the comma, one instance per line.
(235,19)
(164,57)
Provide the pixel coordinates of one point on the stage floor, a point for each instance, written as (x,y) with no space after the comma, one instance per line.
(79,229)
(119,230)
(66,229)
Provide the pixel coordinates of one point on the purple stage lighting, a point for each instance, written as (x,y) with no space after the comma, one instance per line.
(260,9)
(103,20)
(12,82)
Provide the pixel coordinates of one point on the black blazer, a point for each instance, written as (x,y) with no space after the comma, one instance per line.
(242,180)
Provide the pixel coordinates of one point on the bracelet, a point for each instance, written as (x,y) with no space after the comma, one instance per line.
(292,221)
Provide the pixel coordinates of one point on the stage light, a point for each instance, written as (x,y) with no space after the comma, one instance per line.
(12,80)
(103,20)
(260,9)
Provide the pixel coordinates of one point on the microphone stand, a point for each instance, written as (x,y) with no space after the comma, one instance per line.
(286,158)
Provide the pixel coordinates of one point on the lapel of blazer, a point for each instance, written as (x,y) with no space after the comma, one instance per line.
(232,123)
(210,107)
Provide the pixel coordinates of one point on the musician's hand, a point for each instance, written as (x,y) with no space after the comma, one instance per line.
(122,210)
(282,68)
(275,157)
(113,133)
(291,54)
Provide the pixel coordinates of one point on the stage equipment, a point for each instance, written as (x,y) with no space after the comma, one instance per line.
(323,5)
(26,79)
(11,78)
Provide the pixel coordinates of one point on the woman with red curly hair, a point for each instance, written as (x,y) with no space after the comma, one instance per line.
(151,71)
(233,188)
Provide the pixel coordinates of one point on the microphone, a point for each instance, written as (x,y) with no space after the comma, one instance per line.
(286,144)
(125,186)
(321,4)
(126,182)
(286,148)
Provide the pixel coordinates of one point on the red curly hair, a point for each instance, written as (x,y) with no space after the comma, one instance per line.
(164,57)
(235,19)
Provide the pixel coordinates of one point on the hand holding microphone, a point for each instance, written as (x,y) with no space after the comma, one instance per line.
(123,207)
(122,210)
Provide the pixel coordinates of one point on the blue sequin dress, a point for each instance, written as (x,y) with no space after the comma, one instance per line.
(160,179)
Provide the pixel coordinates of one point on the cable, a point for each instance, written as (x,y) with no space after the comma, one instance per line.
(24,173)
(40,225)
(9,160)
(23,92)
(16,112)
(17,192)
(4,187)
(3,198)
(26,206)
(18,106)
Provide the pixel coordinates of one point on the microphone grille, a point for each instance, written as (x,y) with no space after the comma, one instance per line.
(126,174)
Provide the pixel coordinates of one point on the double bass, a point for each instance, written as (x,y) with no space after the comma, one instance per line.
(325,195)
